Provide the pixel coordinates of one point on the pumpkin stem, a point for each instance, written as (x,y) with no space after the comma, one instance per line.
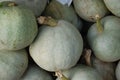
(60,75)
(87,56)
(99,25)
(47,21)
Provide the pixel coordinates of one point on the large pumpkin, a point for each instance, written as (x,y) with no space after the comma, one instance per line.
(37,6)
(58,11)
(12,64)
(57,48)
(88,9)
(36,73)
(18,26)
(113,6)
(81,72)
(106,43)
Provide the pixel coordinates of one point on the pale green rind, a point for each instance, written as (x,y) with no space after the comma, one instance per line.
(37,6)
(106,46)
(81,72)
(113,6)
(88,9)
(13,64)
(36,73)
(18,28)
(57,48)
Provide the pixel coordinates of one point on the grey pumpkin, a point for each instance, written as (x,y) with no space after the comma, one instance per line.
(13,64)
(88,9)
(57,47)
(18,26)
(106,44)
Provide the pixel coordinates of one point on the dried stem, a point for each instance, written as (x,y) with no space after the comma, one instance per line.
(99,25)
(60,75)
(47,21)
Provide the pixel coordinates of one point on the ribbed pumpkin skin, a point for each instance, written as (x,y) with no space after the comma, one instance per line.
(81,72)
(12,64)
(37,6)
(88,9)
(118,71)
(57,48)
(36,73)
(113,6)
(106,45)
(18,27)
(59,11)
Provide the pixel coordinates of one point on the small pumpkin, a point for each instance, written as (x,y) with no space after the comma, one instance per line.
(35,73)
(118,71)
(37,6)
(59,11)
(88,9)
(13,64)
(57,47)
(81,72)
(113,6)
(18,26)
(104,39)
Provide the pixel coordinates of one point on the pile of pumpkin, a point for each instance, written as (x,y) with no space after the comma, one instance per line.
(52,41)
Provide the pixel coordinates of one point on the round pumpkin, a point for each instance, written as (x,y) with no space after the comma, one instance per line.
(118,71)
(81,72)
(37,6)
(58,11)
(57,48)
(88,9)
(113,6)
(18,26)
(106,44)
(13,64)
(36,73)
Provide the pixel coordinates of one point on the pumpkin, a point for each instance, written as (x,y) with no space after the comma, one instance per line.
(13,64)
(81,72)
(37,6)
(88,9)
(113,6)
(118,71)
(105,40)
(58,11)
(57,47)
(18,26)
(36,73)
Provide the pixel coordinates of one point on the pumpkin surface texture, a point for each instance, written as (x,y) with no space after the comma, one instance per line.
(57,48)
(13,64)
(106,44)
(18,26)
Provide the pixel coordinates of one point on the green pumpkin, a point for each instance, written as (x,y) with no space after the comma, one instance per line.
(58,11)
(88,9)
(81,72)
(18,26)
(118,71)
(106,44)
(113,6)
(13,64)
(37,6)
(57,48)
(36,73)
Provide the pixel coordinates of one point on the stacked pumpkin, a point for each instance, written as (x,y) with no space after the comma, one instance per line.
(56,43)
